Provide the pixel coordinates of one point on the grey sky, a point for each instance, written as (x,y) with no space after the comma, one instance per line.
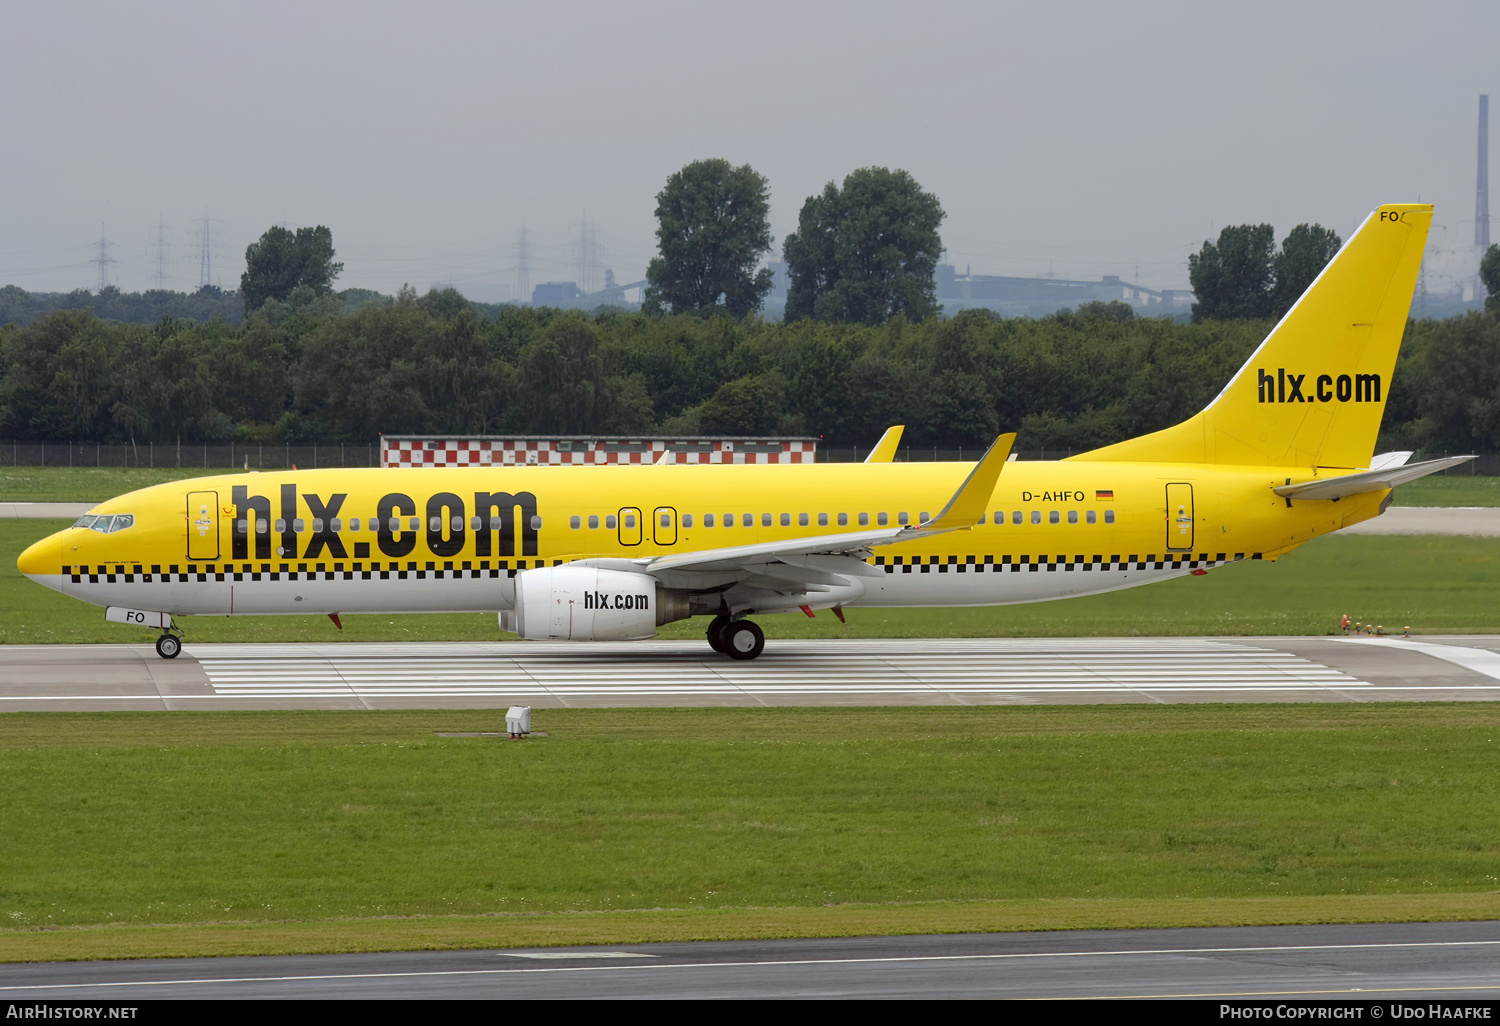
(1076,138)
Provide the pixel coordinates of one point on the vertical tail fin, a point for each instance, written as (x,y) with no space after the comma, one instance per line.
(1313,394)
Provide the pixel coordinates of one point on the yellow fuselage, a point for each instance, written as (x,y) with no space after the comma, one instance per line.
(348,541)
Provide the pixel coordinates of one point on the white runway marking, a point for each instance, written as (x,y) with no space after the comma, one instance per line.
(1479,660)
(871,668)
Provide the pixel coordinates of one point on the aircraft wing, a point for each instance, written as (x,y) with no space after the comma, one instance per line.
(1388,476)
(963,511)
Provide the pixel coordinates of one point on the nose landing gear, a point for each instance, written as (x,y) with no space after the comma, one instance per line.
(168,646)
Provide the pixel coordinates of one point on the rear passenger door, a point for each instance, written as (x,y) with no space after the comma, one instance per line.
(1179,517)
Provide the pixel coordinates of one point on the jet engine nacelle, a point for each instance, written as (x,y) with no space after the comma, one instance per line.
(583,603)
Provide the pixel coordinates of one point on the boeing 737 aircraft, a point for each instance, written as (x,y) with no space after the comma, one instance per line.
(1281,456)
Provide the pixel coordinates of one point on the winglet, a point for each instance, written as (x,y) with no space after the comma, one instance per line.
(967,507)
(885,449)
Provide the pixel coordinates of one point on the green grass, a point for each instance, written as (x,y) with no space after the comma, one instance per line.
(85,484)
(182,833)
(1434,584)
(1452,490)
(90,484)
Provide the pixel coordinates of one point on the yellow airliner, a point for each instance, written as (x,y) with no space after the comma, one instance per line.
(1282,455)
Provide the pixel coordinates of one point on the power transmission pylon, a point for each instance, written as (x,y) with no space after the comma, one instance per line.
(588,256)
(523,266)
(161,250)
(103,259)
(205,260)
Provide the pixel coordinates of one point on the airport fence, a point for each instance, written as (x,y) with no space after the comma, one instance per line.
(189,455)
(250,456)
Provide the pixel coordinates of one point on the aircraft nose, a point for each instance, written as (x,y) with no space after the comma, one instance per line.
(42,559)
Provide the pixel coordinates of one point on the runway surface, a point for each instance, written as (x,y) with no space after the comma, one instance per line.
(683,673)
(1354,964)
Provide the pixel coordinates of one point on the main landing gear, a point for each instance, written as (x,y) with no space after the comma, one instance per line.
(738,639)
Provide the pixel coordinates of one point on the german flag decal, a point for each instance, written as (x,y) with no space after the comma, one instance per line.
(1104,495)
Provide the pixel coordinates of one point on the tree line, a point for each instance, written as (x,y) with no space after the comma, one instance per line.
(433,364)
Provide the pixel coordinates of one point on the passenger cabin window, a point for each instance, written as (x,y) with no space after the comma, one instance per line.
(1052,516)
(687,520)
(1072,516)
(708,520)
(1109,516)
(765,520)
(575,522)
(609,521)
(1036,516)
(1015,517)
(593,523)
(1090,516)
(786,520)
(882,519)
(822,519)
(748,520)
(902,518)
(801,519)
(864,520)
(843,520)
(317,524)
(280,526)
(536,523)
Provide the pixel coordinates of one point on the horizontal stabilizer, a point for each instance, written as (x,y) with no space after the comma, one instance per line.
(1367,481)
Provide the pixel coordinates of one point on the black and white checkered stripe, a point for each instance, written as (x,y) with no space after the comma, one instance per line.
(1066,563)
(357,571)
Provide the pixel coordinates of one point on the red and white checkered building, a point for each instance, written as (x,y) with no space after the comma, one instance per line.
(537,450)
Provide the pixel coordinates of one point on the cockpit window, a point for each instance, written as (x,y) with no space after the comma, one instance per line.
(106,524)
